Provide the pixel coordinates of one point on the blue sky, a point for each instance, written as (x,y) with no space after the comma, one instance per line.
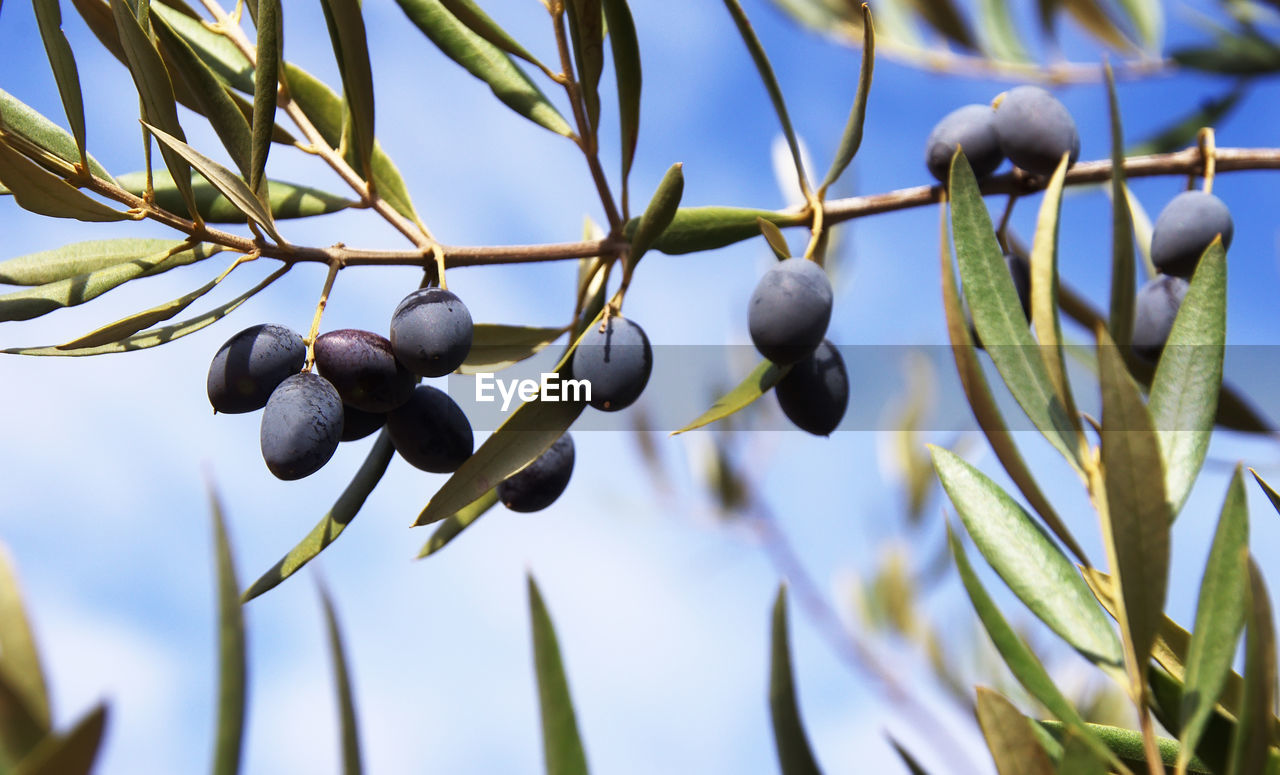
(661,608)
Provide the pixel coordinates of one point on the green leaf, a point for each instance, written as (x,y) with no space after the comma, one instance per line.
(1126,745)
(486,62)
(695,229)
(760,381)
(659,213)
(998,315)
(231,653)
(1220,615)
(562,747)
(495,347)
(945,18)
(1271,494)
(334,522)
(79,258)
(63,62)
(777,242)
(73,753)
(20,732)
(985,410)
(342,681)
(266,85)
(214,49)
(24,711)
(151,78)
(1136,521)
(586,32)
(913,766)
(351,48)
(43,299)
(1214,747)
(1122,262)
(1185,389)
(770,84)
(999,31)
(157,336)
(1078,758)
(481,24)
(626,69)
(1247,54)
(1249,748)
(795,757)
(226,181)
(1147,18)
(1028,561)
(851,140)
(1013,745)
(324,108)
(44,193)
(288,200)
(1094,19)
(21,120)
(454,524)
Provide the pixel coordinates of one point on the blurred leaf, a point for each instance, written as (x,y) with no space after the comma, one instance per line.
(1249,749)
(770,81)
(1184,130)
(760,381)
(495,346)
(1245,54)
(21,120)
(351,48)
(157,336)
(63,62)
(43,299)
(215,50)
(998,315)
(80,258)
(851,140)
(913,767)
(658,214)
(1078,758)
(45,193)
(626,69)
(1028,561)
(226,181)
(342,680)
(20,669)
(231,653)
(1166,700)
(151,78)
(454,524)
(1271,494)
(486,62)
(1123,286)
(1147,19)
(334,522)
(974,381)
(1009,737)
(1220,615)
(266,86)
(324,109)
(1184,391)
(73,753)
(1126,744)
(795,757)
(1142,231)
(1137,518)
(20,732)
(1090,15)
(945,18)
(777,242)
(695,229)
(562,748)
(586,32)
(287,200)
(479,22)
(999,32)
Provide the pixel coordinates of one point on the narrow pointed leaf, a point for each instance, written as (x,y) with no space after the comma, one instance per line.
(795,757)
(998,315)
(1123,284)
(215,50)
(495,346)
(760,381)
(777,242)
(562,747)
(1094,19)
(156,336)
(695,229)
(945,18)
(20,732)
(79,258)
(41,192)
(626,68)
(232,668)
(287,199)
(1147,19)
(1028,561)
(1185,389)
(851,140)
(334,522)
(586,32)
(351,47)
(486,62)
(481,24)
(21,120)
(1270,491)
(266,85)
(1000,36)
(1214,748)
(659,213)
(20,668)
(453,525)
(1013,746)
(1079,759)
(908,760)
(1220,615)
(1249,749)
(63,62)
(342,682)
(73,753)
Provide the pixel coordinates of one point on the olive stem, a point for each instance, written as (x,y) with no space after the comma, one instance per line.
(1003,229)
(1205,142)
(334,266)
(818,209)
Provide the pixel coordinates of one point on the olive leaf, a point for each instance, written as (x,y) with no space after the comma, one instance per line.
(562,747)
(287,200)
(586,32)
(25,717)
(232,667)
(351,48)
(63,62)
(695,229)
(1250,748)
(266,85)
(658,214)
(479,22)
(20,119)
(79,258)
(450,527)
(495,346)
(44,193)
(72,753)
(795,757)
(342,682)
(851,140)
(761,380)
(1122,260)
(1010,737)
(626,68)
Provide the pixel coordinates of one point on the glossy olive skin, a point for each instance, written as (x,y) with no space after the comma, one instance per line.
(539,484)
(1154,312)
(301,426)
(431,332)
(357,423)
(250,365)
(1185,227)
(431,432)
(789,310)
(616,361)
(1035,129)
(971,128)
(361,365)
(815,393)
